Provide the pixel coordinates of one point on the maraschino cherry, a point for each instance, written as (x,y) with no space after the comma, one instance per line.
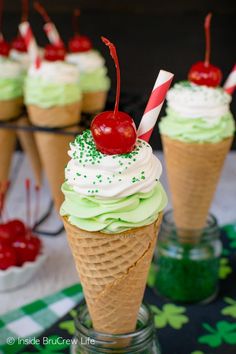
(204,73)
(7,257)
(27,245)
(114,132)
(4,46)
(52,52)
(18,43)
(78,43)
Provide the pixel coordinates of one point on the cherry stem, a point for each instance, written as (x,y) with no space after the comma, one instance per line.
(41,10)
(28,211)
(208,38)
(116,61)
(75,20)
(37,205)
(25,10)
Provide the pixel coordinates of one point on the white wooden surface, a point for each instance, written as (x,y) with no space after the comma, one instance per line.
(58,271)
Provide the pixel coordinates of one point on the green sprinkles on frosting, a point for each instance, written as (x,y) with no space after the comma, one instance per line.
(89,155)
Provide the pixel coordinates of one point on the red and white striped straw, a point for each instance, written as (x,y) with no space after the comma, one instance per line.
(230,83)
(52,34)
(154,105)
(31,45)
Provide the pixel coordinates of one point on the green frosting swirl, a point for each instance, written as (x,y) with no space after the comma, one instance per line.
(196,130)
(45,94)
(11,88)
(112,215)
(96,80)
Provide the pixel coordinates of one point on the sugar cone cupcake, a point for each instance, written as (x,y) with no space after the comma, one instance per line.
(195,149)
(197,133)
(53,100)
(111,268)
(193,173)
(112,213)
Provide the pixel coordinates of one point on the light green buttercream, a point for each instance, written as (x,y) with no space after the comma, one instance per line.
(196,130)
(45,94)
(96,80)
(11,88)
(112,215)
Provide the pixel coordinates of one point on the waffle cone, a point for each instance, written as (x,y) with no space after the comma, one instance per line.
(193,171)
(113,271)
(53,147)
(29,146)
(94,102)
(9,109)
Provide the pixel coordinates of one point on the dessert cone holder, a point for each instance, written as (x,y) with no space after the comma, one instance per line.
(113,270)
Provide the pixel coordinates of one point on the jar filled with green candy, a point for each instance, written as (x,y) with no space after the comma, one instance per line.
(188,262)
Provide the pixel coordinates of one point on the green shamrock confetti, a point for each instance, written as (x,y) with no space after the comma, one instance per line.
(69,326)
(169,315)
(225,268)
(229,310)
(225,332)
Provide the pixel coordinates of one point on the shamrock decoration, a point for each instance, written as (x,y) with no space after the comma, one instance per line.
(225,268)
(69,326)
(170,314)
(197,352)
(231,233)
(54,346)
(225,332)
(229,310)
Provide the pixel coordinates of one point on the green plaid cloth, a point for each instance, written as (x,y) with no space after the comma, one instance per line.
(32,320)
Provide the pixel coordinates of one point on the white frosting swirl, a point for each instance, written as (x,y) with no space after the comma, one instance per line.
(195,101)
(57,72)
(86,61)
(22,58)
(90,172)
(9,69)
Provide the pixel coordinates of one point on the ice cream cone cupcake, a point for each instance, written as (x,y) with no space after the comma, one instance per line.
(112,212)
(197,133)
(94,81)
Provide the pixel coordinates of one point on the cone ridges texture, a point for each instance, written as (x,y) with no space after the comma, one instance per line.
(113,270)
(193,171)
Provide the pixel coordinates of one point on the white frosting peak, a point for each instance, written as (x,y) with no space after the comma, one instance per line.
(55,72)
(9,69)
(90,172)
(86,61)
(195,101)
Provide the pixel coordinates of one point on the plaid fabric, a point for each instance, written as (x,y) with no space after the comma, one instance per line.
(32,320)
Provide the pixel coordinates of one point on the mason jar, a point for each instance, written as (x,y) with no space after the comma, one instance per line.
(88,341)
(187,263)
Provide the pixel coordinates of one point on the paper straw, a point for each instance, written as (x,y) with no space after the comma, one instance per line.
(52,34)
(30,42)
(154,105)
(230,83)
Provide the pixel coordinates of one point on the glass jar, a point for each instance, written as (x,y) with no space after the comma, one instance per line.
(88,341)
(188,263)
